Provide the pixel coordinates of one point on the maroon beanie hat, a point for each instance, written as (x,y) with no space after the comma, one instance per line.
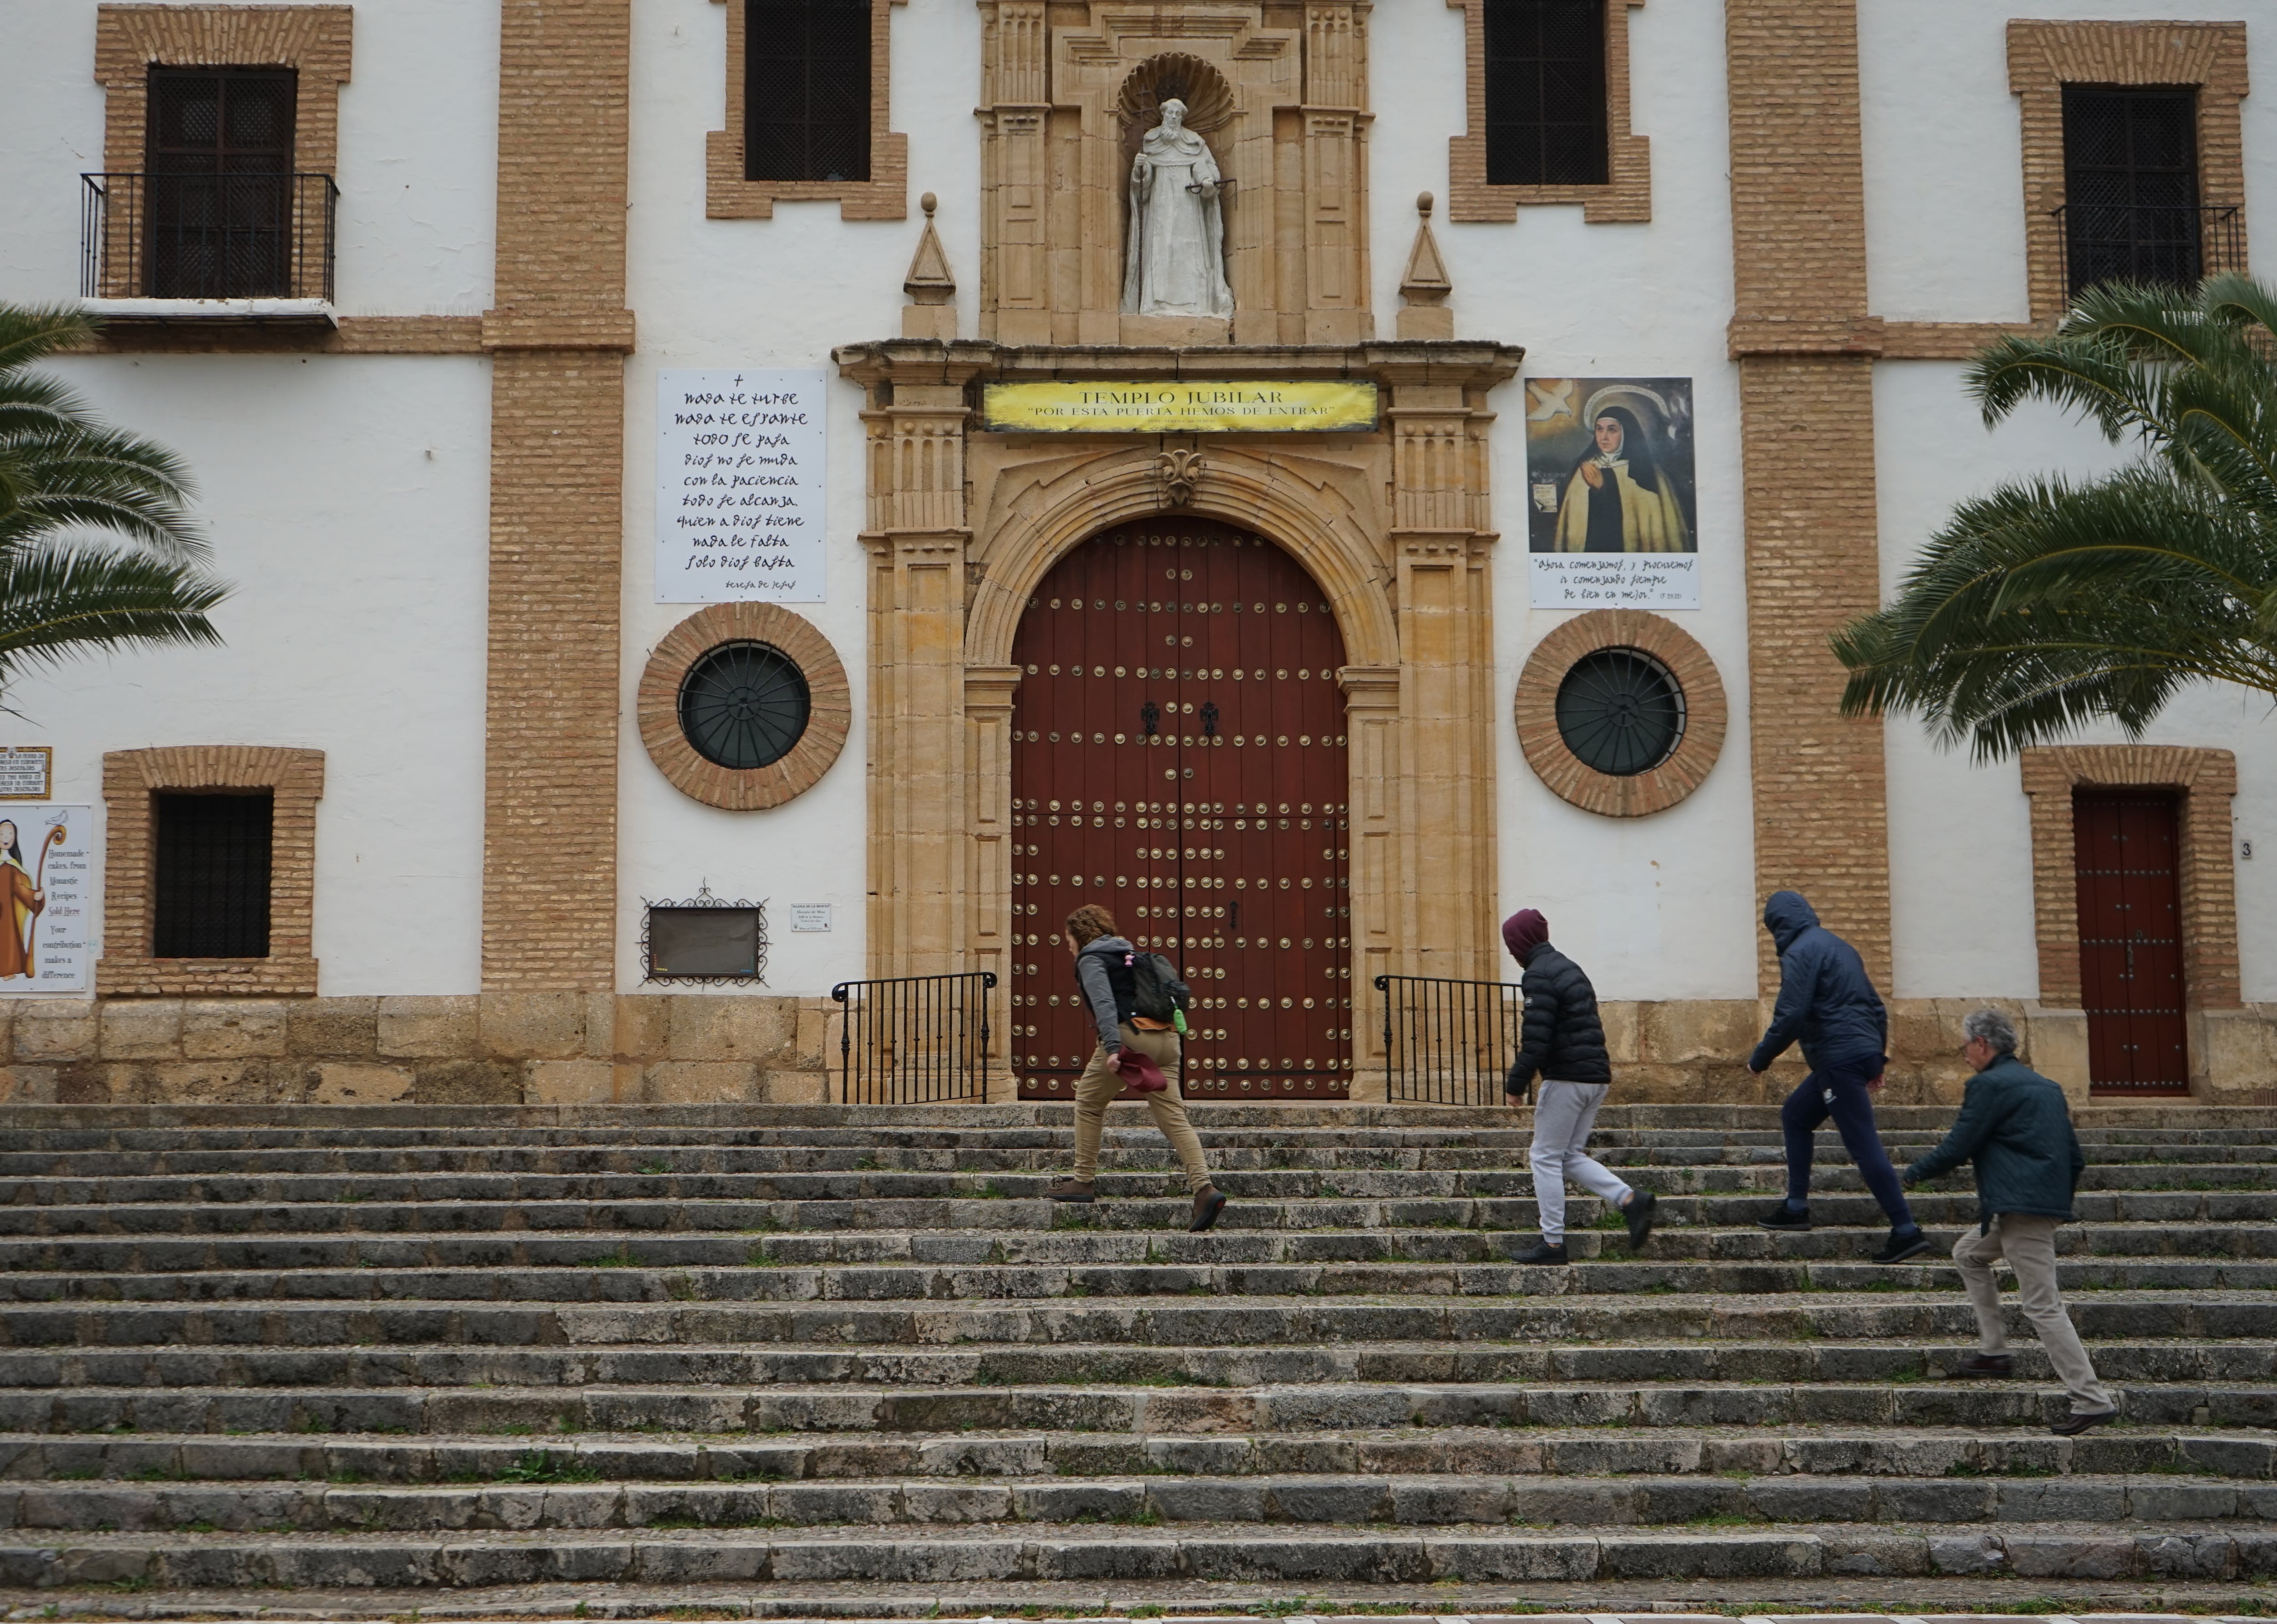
(1524,931)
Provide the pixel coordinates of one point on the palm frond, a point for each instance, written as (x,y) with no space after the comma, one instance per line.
(56,602)
(34,332)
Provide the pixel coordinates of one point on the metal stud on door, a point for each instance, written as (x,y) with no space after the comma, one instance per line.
(1180,755)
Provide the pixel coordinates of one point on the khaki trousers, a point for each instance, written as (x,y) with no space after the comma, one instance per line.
(1101,1085)
(2029,1243)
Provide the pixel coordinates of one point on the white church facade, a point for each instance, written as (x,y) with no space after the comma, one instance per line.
(729,500)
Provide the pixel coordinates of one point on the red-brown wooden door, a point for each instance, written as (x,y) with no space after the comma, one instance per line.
(1179,757)
(2125,844)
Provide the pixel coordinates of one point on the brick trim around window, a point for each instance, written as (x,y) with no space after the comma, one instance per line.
(830,701)
(2045,56)
(1627,194)
(314,41)
(2207,780)
(885,196)
(130,777)
(1707,713)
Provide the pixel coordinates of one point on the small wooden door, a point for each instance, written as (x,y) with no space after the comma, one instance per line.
(2126,846)
(1179,757)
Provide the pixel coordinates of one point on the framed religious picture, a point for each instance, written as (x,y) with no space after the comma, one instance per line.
(1612,506)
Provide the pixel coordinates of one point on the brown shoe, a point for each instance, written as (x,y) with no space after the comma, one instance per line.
(1209,1201)
(1985,1365)
(2073,1425)
(1069,1190)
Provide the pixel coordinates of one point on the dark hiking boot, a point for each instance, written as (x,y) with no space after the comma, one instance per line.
(2072,1426)
(1541,1252)
(1903,1244)
(1209,1201)
(1985,1365)
(1069,1190)
(1639,1213)
(1784,1217)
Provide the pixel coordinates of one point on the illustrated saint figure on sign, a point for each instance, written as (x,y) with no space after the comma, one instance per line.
(1609,463)
(25,902)
(1175,261)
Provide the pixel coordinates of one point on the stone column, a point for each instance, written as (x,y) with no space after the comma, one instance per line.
(988,695)
(1335,172)
(1372,754)
(1016,305)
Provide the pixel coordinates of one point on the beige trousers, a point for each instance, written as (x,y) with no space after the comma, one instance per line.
(1101,1085)
(2029,1243)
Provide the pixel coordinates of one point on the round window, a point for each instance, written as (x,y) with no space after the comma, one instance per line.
(743,705)
(1621,711)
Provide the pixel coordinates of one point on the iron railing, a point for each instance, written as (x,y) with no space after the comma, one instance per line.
(1447,1043)
(190,236)
(2175,244)
(913,1040)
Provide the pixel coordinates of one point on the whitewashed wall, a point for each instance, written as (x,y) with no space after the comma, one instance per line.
(1945,232)
(779,292)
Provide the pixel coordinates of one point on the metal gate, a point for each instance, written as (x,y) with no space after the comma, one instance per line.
(2130,941)
(1179,757)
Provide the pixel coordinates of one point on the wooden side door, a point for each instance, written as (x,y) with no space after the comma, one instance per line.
(2126,855)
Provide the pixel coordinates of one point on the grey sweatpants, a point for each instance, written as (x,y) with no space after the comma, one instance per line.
(1564,1114)
(2030,1245)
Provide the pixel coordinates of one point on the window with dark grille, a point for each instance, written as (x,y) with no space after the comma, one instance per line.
(1621,711)
(219,214)
(210,888)
(744,705)
(2131,207)
(806,89)
(706,941)
(1545,93)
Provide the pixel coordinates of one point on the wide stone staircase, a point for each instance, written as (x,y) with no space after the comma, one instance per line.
(813,1361)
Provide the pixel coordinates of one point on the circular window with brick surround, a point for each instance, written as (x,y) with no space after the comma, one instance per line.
(1620,712)
(744,706)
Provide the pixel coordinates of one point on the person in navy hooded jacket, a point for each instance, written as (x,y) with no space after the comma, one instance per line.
(1826,1003)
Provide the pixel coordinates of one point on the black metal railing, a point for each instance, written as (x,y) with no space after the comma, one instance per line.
(190,236)
(1447,1043)
(2175,244)
(913,1040)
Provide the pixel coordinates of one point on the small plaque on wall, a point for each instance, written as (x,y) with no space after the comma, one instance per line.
(810,916)
(26,771)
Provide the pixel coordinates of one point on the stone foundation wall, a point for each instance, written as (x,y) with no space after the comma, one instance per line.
(571,1049)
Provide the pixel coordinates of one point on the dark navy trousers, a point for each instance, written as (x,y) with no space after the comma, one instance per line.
(1839,1091)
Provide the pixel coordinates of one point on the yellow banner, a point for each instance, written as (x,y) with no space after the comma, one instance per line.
(1180,407)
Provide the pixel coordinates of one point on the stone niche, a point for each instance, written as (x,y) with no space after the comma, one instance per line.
(1279,91)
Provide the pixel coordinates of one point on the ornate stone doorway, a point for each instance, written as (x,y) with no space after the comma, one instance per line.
(1178,753)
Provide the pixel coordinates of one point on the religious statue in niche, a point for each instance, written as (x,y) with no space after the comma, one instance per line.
(1174,263)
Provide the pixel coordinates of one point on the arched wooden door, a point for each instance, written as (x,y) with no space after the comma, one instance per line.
(1179,756)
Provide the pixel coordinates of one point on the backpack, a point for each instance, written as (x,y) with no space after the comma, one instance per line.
(1156,992)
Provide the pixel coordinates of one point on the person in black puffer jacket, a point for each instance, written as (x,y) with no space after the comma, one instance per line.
(1564,1040)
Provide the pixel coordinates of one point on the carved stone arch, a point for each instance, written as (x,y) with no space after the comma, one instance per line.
(1210,103)
(1314,526)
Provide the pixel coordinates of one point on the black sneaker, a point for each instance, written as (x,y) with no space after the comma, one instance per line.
(1784,1217)
(1541,1252)
(1639,1214)
(2072,1426)
(1209,1201)
(1902,1245)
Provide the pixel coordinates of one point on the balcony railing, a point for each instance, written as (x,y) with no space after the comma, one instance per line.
(913,1040)
(190,236)
(1447,1043)
(2175,244)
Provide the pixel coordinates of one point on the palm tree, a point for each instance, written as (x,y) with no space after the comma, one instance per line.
(63,471)
(2051,603)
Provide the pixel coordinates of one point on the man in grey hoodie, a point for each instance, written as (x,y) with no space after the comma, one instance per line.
(1102,973)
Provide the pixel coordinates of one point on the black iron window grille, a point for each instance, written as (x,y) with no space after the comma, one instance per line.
(704,940)
(1621,711)
(914,1039)
(806,89)
(2131,210)
(744,705)
(1545,93)
(1449,1043)
(209,886)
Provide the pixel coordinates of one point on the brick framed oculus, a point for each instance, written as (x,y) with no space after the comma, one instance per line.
(1621,712)
(744,706)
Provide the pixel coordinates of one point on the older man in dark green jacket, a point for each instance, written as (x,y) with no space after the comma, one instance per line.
(2015,1126)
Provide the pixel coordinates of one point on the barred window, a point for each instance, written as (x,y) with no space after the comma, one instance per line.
(806,90)
(1545,93)
(218,219)
(2132,208)
(210,884)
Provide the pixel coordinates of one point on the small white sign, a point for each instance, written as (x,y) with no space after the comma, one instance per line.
(25,771)
(1616,579)
(810,916)
(739,485)
(46,898)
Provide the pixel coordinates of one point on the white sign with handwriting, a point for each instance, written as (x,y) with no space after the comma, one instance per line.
(739,485)
(1616,579)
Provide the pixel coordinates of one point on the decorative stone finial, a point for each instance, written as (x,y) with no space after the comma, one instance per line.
(1424,286)
(1178,472)
(932,312)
